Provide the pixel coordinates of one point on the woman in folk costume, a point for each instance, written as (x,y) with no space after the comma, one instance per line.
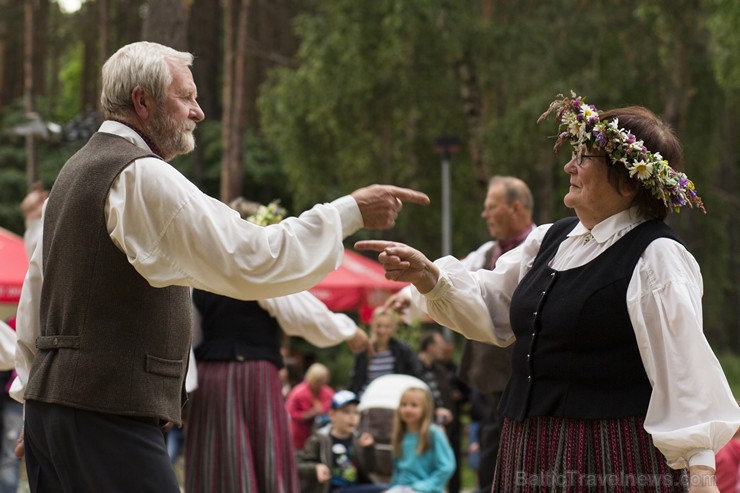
(614,385)
(238,435)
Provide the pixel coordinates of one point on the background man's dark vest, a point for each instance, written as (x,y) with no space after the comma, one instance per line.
(109,341)
(576,354)
(486,368)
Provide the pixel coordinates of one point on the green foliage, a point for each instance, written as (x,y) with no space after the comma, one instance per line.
(374,90)
(731,366)
(70,78)
(264,179)
(725,43)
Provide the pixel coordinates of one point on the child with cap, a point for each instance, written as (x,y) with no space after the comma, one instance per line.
(336,458)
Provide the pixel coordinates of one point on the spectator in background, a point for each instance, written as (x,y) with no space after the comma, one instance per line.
(386,355)
(12,412)
(435,375)
(422,458)
(308,402)
(459,395)
(431,353)
(336,458)
(32,208)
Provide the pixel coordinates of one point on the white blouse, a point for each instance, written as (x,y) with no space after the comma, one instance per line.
(692,412)
(174,234)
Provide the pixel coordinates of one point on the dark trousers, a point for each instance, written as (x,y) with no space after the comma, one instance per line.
(453,436)
(490,436)
(69,450)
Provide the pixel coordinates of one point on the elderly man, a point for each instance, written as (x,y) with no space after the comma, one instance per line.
(104,318)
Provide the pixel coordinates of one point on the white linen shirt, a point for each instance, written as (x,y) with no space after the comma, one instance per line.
(174,234)
(692,412)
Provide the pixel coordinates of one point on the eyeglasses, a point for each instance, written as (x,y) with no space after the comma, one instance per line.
(579,158)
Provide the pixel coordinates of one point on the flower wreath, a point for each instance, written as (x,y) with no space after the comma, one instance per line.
(580,126)
(268,214)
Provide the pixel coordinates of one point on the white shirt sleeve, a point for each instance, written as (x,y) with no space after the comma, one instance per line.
(32,235)
(28,323)
(191,376)
(173,234)
(472,261)
(304,315)
(476,304)
(692,412)
(7,347)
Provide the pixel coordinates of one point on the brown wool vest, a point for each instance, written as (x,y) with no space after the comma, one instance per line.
(109,341)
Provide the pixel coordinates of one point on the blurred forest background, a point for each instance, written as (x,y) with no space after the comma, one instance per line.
(306,100)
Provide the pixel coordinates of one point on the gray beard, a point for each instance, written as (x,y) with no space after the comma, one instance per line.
(172,138)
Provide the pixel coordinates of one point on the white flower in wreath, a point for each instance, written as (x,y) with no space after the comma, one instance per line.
(642,169)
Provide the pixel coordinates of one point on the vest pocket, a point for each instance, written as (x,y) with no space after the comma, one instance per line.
(165,367)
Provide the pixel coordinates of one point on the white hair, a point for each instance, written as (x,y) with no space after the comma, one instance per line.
(143,64)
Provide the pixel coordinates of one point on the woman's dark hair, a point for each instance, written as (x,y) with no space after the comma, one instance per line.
(657,137)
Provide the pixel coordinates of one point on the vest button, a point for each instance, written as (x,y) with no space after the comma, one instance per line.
(240,357)
(534,313)
(529,356)
(529,378)
(543,293)
(552,274)
(55,341)
(533,334)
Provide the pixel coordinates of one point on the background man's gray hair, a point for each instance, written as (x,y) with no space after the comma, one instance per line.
(514,189)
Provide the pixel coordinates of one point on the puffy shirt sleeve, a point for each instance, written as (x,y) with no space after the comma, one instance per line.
(692,412)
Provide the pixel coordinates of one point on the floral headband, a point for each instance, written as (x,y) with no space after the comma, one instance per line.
(268,214)
(580,126)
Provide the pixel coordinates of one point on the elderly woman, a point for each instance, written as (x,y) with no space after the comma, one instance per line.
(614,385)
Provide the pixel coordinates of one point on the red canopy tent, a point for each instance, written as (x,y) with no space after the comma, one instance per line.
(13,266)
(359,284)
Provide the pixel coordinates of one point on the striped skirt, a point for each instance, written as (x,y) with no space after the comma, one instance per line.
(237,431)
(543,454)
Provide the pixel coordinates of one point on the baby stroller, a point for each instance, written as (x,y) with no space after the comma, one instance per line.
(377,408)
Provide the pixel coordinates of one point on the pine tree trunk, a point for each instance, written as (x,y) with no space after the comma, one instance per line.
(28,90)
(234,119)
(166,23)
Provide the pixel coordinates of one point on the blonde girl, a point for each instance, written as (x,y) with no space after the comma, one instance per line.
(423,460)
(389,354)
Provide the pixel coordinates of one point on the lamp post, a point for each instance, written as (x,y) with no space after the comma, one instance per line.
(446,145)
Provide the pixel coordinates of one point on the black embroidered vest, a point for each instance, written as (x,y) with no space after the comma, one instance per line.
(236,330)
(576,354)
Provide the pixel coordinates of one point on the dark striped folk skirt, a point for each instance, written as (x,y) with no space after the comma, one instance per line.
(237,432)
(544,454)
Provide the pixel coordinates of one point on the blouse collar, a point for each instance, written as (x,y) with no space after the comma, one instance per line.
(617,224)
